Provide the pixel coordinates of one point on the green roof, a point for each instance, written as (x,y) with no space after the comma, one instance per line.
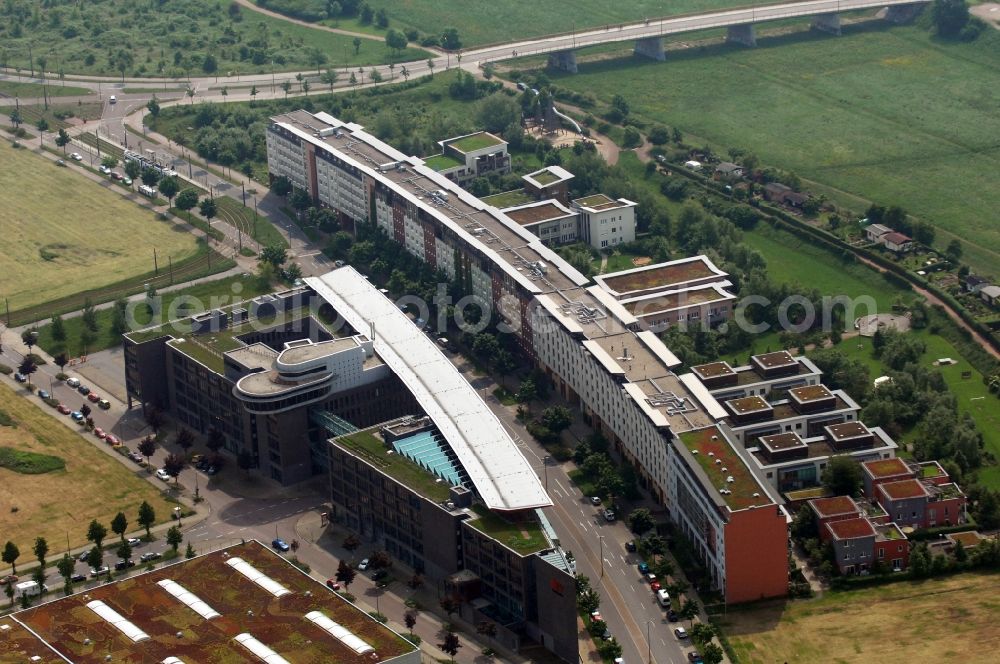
(708,446)
(544,177)
(370,447)
(474,142)
(508,199)
(523,535)
(442,162)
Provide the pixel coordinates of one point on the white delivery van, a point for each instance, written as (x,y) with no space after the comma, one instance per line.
(29,588)
(146,190)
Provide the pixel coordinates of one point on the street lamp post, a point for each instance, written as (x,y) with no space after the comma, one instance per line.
(600,538)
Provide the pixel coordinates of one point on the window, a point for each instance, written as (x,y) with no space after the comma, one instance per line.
(881,553)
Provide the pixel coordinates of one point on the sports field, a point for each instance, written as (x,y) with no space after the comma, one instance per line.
(889,114)
(64,233)
(61,503)
(946,620)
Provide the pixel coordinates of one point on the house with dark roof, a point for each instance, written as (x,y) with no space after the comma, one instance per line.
(973,283)
(874,232)
(727,170)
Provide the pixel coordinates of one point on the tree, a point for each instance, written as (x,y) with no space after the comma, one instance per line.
(357,45)
(380,560)
(949,16)
(610,649)
(147,517)
(154,418)
(382,18)
(147,448)
(10,555)
(396,41)
(189,553)
(61,359)
(557,418)
(174,464)
(430,66)
(95,557)
(119,525)
(659,135)
(208,208)
(487,628)
(954,250)
(27,367)
(16,118)
(42,126)
(450,645)
(96,533)
(29,338)
(640,520)
(253,94)
(108,161)
(124,550)
(449,605)
(150,176)
(345,573)
(689,611)
(275,254)
(330,78)
(66,565)
(58,328)
(842,476)
(153,106)
(711,653)
(286,86)
(528,392)
(375,76)
(497,112)
(589,600)
(450,39)
(410,620)
(187,199)
(62,139)
(169,187)
(174,537)
(300,200)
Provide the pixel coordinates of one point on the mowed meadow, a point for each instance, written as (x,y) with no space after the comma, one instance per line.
(65,233)
(889,114)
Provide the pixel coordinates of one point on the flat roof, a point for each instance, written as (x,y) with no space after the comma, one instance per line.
(368,445)
(506,199)
(847,430)
(501,475)
(657,303)
(851,528)
(752,404)
(80,635)
(968,539)
(880,468)
(19,644)
(548,176)
(903,489)
(601,202)
(660,275)
(782,441)
(538,212)
(834,506)
(442,162)
(779,358)
(724,469)
(809,393)
(713,370)
(473,142)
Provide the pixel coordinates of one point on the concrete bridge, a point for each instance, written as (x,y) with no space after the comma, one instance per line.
(648,35)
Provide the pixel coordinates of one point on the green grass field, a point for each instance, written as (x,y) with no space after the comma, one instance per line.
(55,89)
(493,21)
(58,504)
(66,234)
(890,115)
(172,40)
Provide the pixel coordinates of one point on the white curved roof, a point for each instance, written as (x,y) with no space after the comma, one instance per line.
(258,577)
(502,476)
(339,632)
(191,600)
(126,626)
(259,649)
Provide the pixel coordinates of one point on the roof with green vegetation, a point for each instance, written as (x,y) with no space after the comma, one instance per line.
(544,177)
(886,467)
(474,142)
(368,445)
(851,528)
(834,506)
(903,489)
(931,469)
(442,162)
(720,462)
(508,199)
(81,635)
(662,275)
(889,532)
(807,494)
(535,214)
(523,535)
(690,298)
(597,202)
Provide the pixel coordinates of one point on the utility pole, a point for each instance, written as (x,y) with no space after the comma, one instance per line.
(156,269)
(170,264)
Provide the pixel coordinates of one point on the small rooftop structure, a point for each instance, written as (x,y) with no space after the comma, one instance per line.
(834,506)
(882,468)
(848,435)
(903,489)
(749,409)
(548,176)
(851,528)
(778,363)
(538,212)
(475,142)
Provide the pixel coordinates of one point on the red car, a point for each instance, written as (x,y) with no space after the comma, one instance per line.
(99,432)
(332,584)
(62,408)
(94,397)
(117,176)
(112,440)
(655,585)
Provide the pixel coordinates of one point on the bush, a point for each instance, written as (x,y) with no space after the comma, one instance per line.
(5,370)
(29,463)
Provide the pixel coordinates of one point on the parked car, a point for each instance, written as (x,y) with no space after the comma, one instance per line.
(104,404)
(93,397)
(643,568)
(112,440)
(280,544)
(332,584)
(77,416)
(654,586)
(135,456)
(94,573)
(76,578)
(595,500)
(630,546)
(680,633)
(42,394)
(148,556)
(134,541)
(363,565)
(83,556)
(63,409)
(10,578)
(76,156)
(104,169)
(20,377)
(115,175)
(595,615)
(606,636)
(61,162)
(73,382)
(663,598)
(609,515)
(379,574)
(99,432)
(84,390)
(695,657)
(52,403)
(672,615)
(127,181)
(124,564)
(163,474)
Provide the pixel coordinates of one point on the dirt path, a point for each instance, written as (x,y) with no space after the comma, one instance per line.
(989,12)
(249,4)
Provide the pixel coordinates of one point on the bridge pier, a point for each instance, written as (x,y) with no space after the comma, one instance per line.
(827,23)
(650,47)
(741,34)
(564,60)
(903,13)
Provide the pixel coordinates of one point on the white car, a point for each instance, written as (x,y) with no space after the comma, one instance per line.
(104,169)
(76,156)
(363,565)
(163,474)
(681,633)
(73,382)
(134,541)
(127,180)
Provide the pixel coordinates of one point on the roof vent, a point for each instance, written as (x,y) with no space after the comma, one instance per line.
(730,479)
(711,454)
(756,495)
(695,452)
(725,470)
(714,437)
(718,462)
